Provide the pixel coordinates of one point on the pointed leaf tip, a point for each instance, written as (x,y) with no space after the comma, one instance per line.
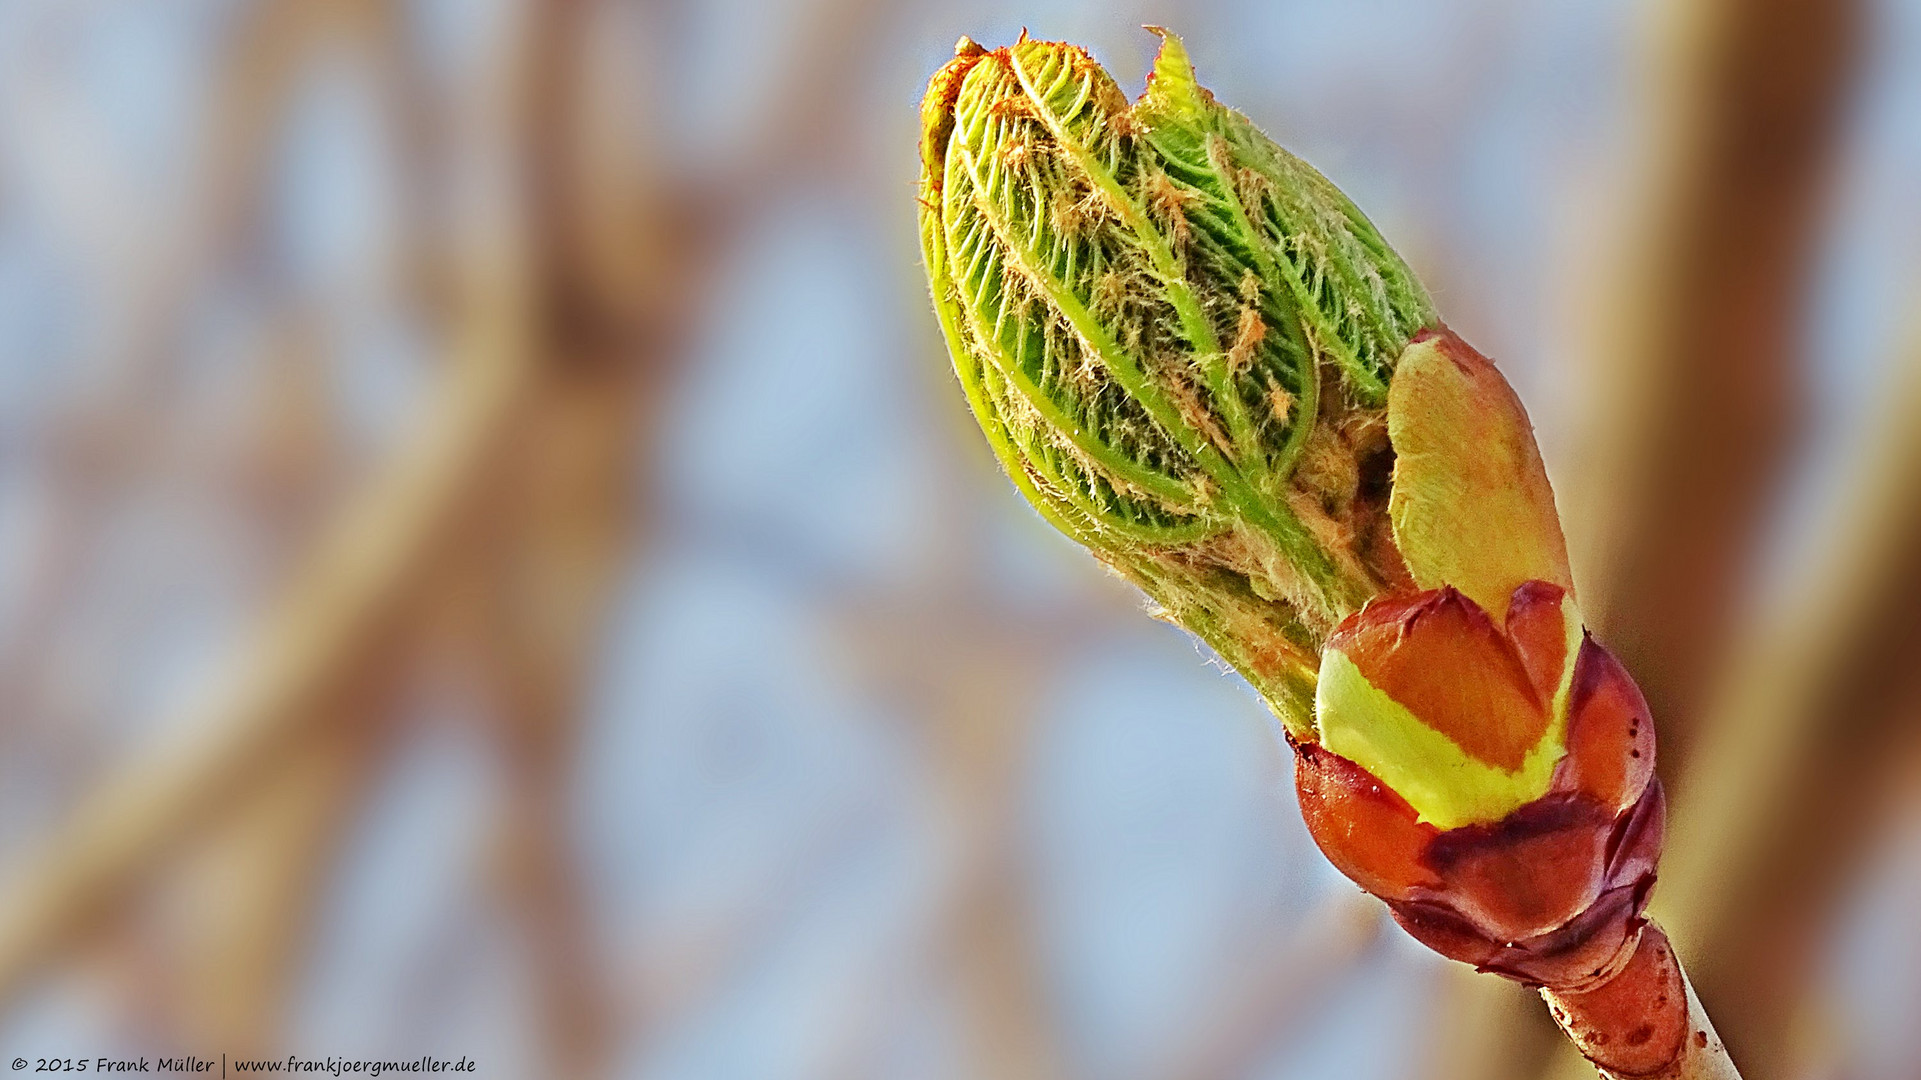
(1172,84)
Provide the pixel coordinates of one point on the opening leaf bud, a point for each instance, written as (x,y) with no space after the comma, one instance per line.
(1178,339)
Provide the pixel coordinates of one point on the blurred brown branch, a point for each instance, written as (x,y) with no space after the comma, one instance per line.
(249,892)
(110,444)
(1799,754)
(250,889)
(1698,377)
(1701,372)
(498,529)
(333,621)
(329,619)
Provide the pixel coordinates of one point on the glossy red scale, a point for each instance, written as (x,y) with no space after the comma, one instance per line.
(1366,830)
(1550,894)
(1610,733)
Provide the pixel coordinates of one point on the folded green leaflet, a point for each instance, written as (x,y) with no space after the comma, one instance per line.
(1178,339)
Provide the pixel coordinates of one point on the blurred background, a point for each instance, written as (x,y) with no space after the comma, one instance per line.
(493,561)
